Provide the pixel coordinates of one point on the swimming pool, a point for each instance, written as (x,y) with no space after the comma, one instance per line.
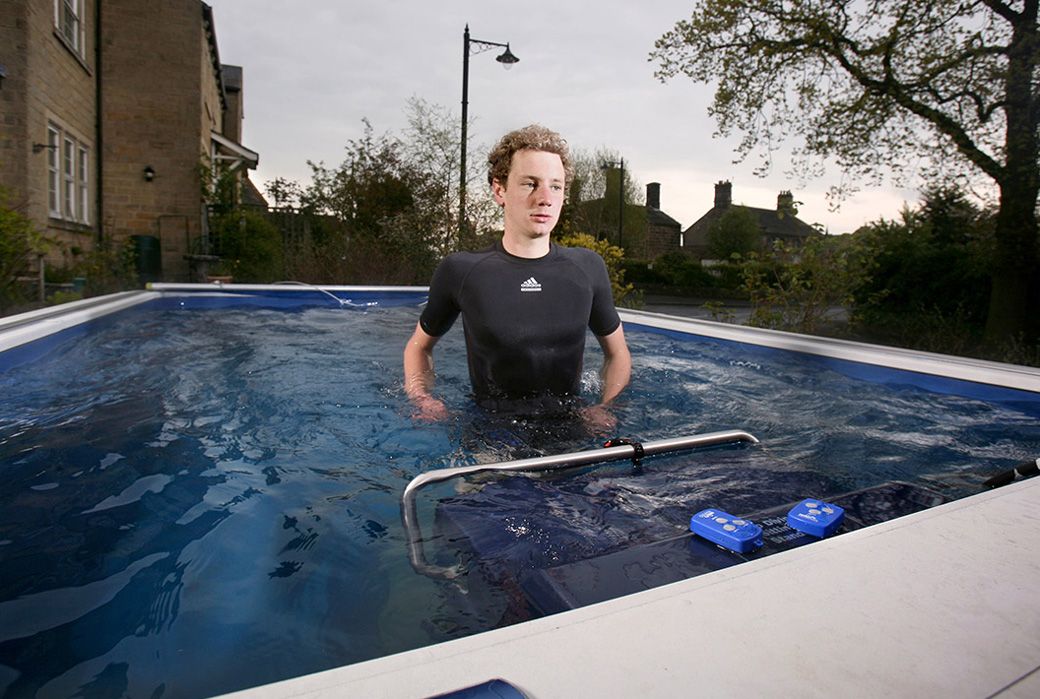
(233,507)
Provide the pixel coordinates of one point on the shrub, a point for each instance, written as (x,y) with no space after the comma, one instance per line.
(612,255)
(794,287)
(681,270)
(249,245)
(19,241)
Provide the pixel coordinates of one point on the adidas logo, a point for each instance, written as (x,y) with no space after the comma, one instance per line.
(530,285)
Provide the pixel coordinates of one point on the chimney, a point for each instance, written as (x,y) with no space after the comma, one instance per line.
(723,194)
(653,195)
(785,203)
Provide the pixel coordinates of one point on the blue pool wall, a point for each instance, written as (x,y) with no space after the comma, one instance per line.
(29,337)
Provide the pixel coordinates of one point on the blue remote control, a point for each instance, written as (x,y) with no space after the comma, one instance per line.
(815,517)
(724,529)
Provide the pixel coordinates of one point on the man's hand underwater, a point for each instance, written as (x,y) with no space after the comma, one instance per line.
(430,409)
(599,419)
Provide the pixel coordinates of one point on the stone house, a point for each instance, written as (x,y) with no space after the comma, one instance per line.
(110,108)
(779,224)
(646,231)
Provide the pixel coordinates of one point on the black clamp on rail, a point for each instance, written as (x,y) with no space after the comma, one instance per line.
(1026,469)
(637,447)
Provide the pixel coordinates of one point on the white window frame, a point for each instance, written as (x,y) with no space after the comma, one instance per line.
(68,20)
(83,183)
(53,171)
(68,176)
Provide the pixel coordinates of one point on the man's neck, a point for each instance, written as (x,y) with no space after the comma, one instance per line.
(529,248)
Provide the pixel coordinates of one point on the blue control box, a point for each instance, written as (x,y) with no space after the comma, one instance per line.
(815,517)
(726,530)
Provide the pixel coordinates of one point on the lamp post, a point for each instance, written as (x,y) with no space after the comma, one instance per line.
(620,196)
(507,59)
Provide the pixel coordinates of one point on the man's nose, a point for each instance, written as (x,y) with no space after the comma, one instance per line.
(543,195)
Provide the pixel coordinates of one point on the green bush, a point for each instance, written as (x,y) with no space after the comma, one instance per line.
(927,276)
(249,245)
(19,242)
(624,292)
(793,287)
(681,270)
(108,268)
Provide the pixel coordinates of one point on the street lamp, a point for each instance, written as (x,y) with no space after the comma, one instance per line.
(620,196)
(507,59)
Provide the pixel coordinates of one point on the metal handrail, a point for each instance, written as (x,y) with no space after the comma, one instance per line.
(409,515)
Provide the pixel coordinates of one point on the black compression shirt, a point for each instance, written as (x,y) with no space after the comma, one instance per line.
(524,320)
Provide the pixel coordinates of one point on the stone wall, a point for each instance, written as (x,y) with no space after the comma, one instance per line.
(158,43)
(49,81)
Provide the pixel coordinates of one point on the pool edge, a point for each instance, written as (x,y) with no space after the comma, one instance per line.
(941,602)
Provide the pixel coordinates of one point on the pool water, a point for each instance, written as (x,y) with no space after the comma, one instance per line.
(194,502)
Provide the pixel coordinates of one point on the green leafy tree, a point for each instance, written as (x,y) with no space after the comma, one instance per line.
(375,200)
(736,233)
(926,282)
(880,87)
(430,144)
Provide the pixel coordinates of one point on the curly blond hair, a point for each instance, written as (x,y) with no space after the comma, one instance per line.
(532,137)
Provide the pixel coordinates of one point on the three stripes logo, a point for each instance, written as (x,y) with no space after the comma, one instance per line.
(530,285)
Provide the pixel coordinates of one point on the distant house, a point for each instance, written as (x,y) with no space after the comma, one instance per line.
(109,111)
(646,231)
(779,224)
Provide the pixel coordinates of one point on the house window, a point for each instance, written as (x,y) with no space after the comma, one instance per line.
(68,176)
(68,18)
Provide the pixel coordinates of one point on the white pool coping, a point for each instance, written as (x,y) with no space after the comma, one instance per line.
(944,602)
(941,365)
(27,327)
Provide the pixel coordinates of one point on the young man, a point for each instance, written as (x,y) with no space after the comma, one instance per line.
(525,302)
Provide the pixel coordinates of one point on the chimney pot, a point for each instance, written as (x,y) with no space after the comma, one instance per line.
(723,194)
(653,195)
(785,202)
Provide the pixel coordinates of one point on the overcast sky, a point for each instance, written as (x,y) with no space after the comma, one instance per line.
(314,68)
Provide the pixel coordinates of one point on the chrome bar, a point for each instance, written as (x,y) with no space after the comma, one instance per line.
(409,515)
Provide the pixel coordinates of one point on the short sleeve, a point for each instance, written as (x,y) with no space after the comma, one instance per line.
(442,307)
(603,318)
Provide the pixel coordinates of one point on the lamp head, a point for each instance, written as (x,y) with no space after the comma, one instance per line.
(507,59)
(149,173)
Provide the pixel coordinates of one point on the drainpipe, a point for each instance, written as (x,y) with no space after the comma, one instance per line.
(99,199)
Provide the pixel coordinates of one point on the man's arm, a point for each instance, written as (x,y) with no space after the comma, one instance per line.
(617,364)
(419,376)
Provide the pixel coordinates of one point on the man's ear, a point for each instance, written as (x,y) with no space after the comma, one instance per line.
(498,191)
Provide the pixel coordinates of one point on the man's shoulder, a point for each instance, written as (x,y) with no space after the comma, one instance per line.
(468,257)
(465,260)
(584,258)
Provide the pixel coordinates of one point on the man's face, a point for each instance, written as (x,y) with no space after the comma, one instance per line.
(533,194)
